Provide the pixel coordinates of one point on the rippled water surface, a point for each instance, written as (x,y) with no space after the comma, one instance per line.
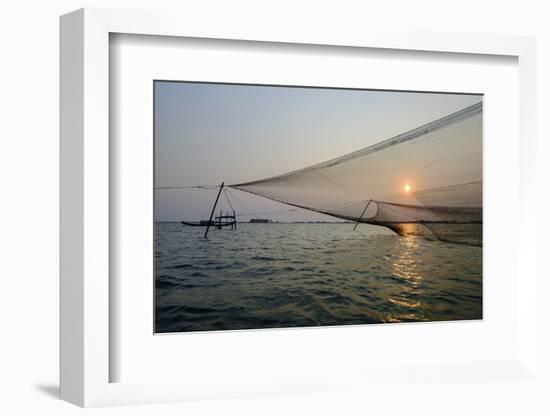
(288,275)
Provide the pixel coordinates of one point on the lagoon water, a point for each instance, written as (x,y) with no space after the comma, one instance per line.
(301,275)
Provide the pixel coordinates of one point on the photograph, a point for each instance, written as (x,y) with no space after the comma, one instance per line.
(284,206)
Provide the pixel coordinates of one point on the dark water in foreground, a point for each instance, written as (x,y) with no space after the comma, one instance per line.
(288,275)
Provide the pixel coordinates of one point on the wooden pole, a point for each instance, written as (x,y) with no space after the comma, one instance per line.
(363,213)
(213,209)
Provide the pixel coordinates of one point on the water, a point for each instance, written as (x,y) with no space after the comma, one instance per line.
(290,275)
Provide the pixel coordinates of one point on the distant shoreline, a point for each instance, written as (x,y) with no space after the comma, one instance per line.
(275,222)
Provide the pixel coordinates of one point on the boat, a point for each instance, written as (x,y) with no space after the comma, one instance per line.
(223,220)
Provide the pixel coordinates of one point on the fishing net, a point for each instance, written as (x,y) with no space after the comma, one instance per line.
(427,181)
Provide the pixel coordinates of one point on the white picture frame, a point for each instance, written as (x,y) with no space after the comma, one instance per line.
(85,210)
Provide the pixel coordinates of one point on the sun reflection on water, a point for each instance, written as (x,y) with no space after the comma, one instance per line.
(405,267)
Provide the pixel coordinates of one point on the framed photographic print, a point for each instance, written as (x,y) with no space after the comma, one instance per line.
(260,211)
(299,256)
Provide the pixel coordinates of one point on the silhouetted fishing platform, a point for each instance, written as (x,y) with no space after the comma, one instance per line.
(223,220)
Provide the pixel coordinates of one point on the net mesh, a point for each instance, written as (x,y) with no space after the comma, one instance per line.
(427,181)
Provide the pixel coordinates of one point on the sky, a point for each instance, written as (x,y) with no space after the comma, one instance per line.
(206,134)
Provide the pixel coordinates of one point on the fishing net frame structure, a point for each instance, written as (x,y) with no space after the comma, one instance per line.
(442,160)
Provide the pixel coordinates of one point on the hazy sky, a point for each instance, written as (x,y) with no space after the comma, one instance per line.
(209,133)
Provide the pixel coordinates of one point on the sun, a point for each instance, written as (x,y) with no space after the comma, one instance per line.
(407,187)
